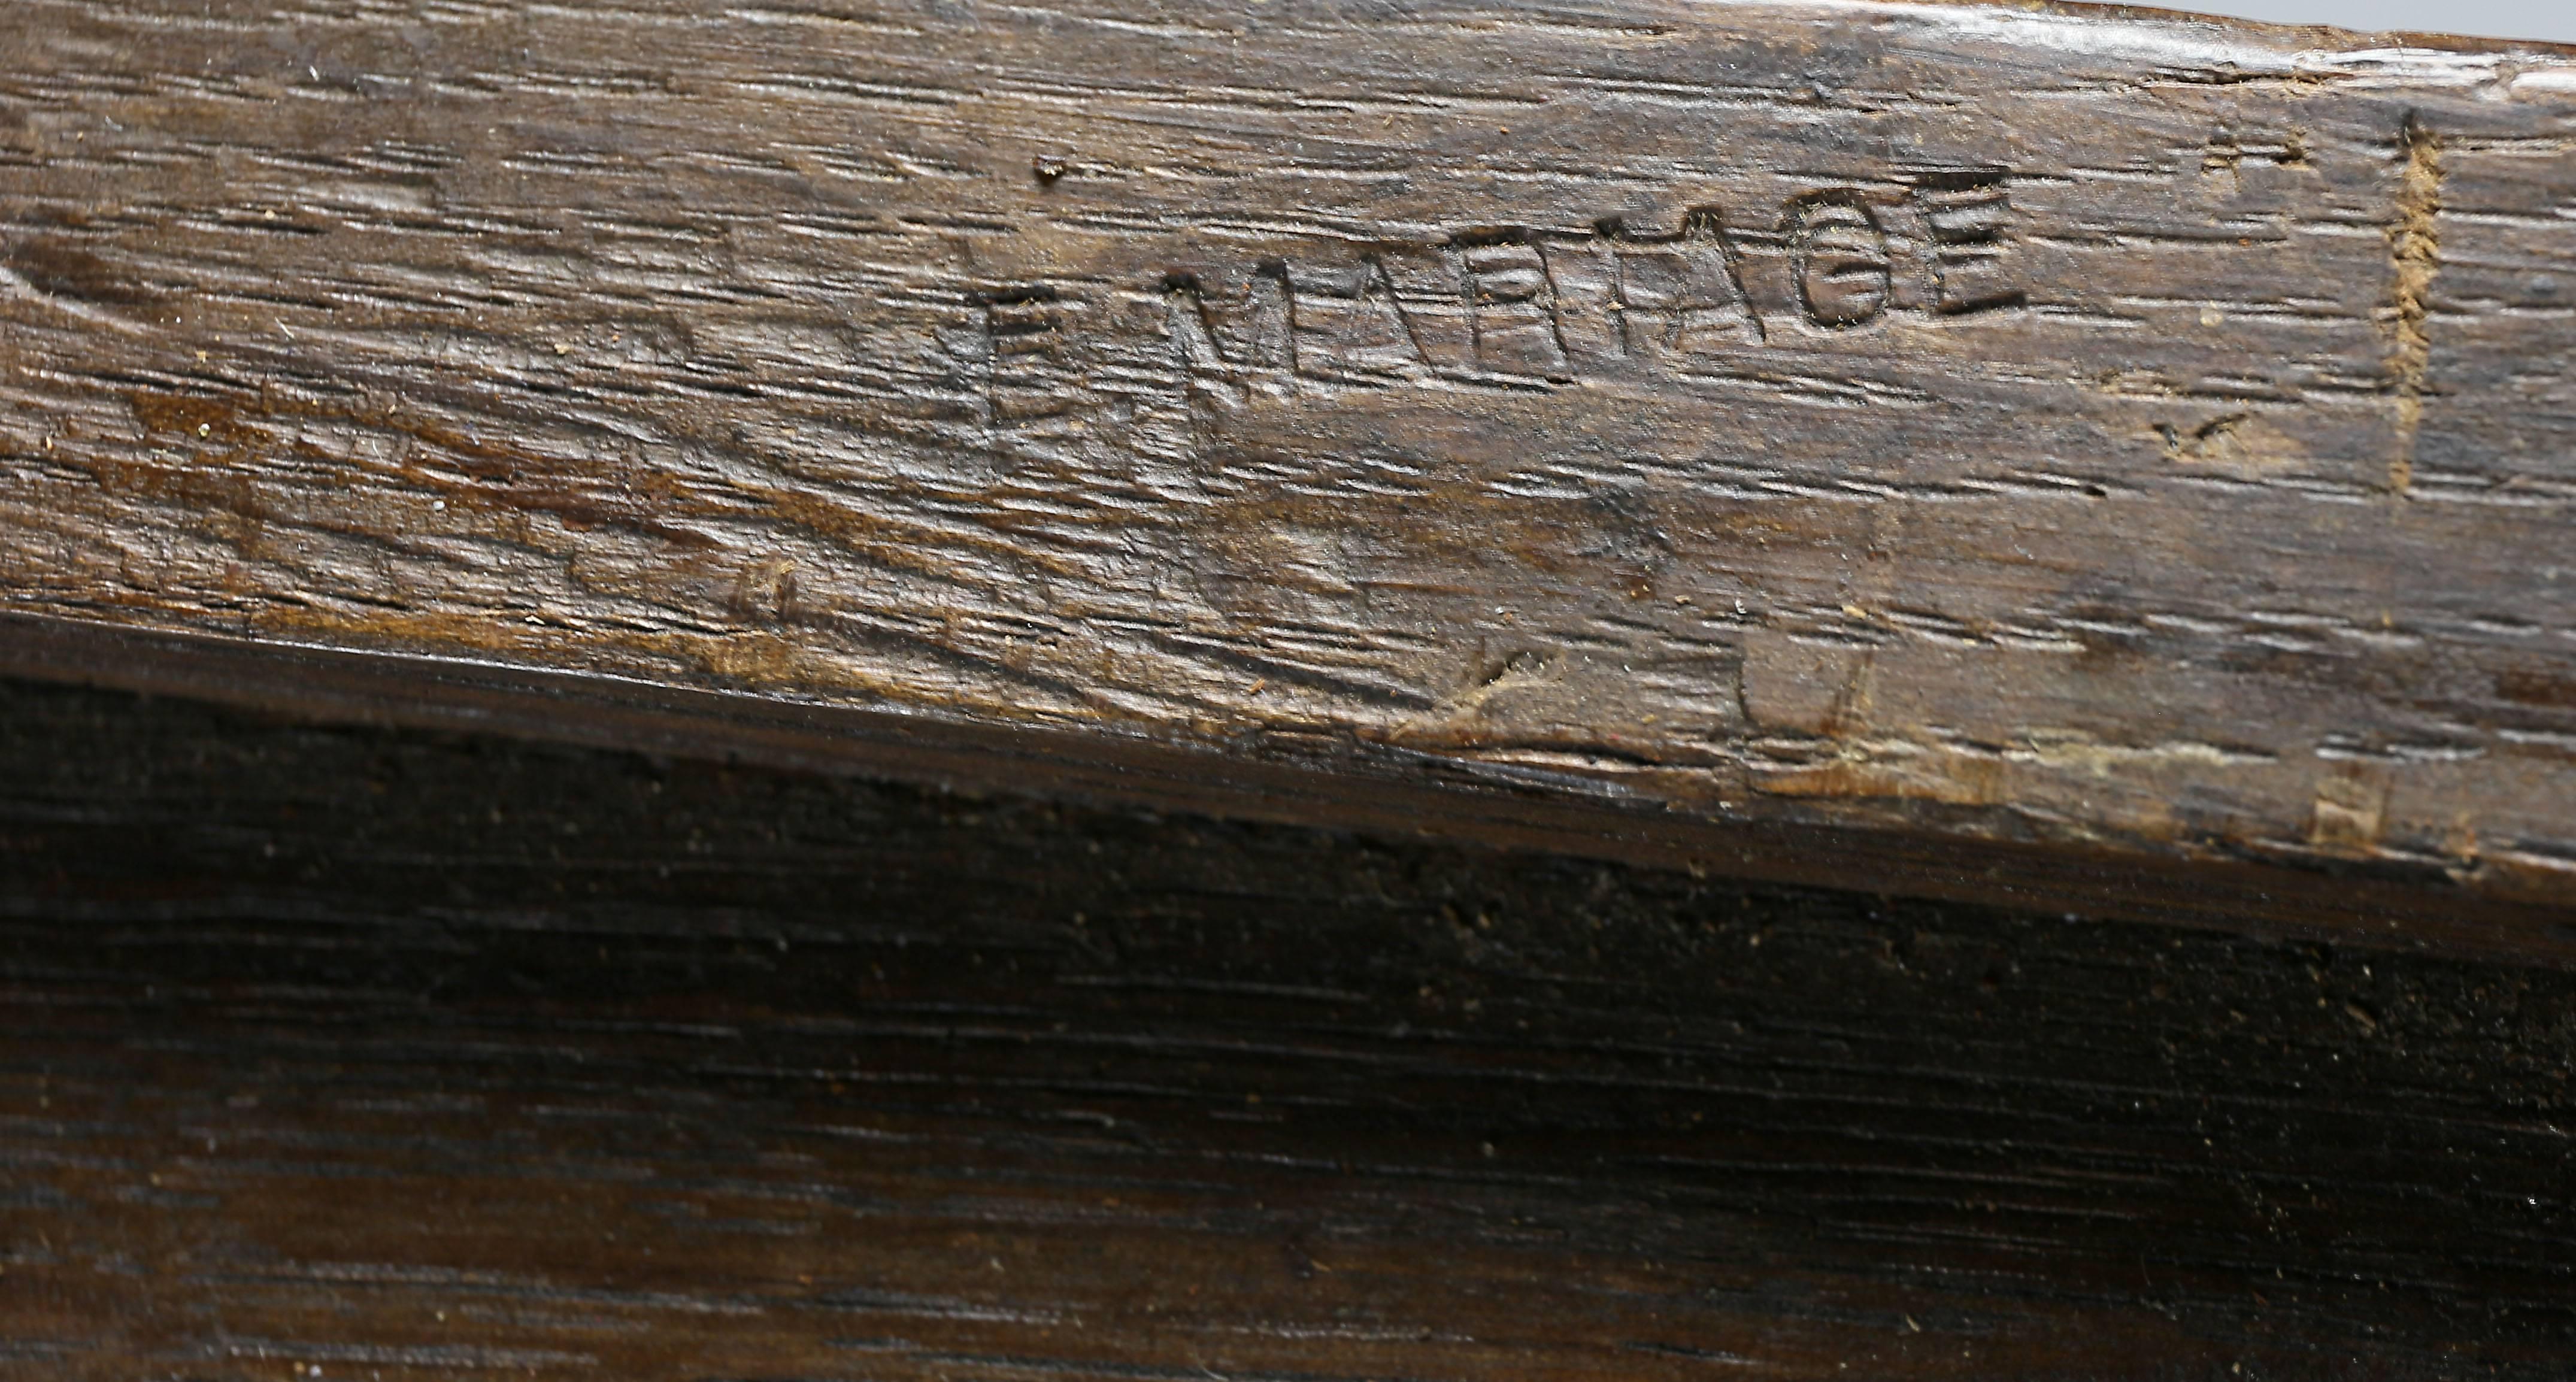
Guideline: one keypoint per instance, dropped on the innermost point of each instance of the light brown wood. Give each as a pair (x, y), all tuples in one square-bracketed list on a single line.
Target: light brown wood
[(2125, 433)]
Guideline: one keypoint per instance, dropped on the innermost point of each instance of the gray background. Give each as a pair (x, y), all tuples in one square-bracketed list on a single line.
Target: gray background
[(2547, 19)]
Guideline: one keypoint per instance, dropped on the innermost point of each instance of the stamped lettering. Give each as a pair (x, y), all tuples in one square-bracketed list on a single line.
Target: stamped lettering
[(1623, 297), (1969, 217), (1345, 323), (1026, 379), (1840, 256), (1550, 306)]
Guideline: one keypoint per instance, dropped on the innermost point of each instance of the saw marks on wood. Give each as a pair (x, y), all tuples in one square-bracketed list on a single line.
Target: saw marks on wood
[(2014, 424)]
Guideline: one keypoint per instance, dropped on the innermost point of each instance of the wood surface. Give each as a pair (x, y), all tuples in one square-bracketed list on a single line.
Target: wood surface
[(2096, 429), (1390, 796), (407, 1057)]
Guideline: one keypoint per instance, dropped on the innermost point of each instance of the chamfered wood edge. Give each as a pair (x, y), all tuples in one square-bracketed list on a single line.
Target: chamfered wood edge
[(2331, 35), (1344, 785)]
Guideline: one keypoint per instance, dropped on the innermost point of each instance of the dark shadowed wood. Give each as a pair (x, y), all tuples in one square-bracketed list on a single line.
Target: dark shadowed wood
[(1388, 794), (453, 1059), (2130, 435)]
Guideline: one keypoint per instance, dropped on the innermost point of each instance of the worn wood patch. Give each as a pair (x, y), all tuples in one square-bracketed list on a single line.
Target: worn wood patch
[(2003, 424), (399, 1057)]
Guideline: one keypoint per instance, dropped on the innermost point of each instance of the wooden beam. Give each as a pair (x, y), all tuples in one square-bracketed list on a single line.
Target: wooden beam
[(1350, 788), (409, 1057), (2010, 428)]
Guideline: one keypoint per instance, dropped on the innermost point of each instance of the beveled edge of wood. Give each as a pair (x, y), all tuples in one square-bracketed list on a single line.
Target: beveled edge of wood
[(1328, 784), (2334, 36)]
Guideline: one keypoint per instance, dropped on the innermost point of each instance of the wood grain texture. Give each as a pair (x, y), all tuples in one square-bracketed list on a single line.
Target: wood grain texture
[(2007, 425), (433, 1058), (1346, 787)]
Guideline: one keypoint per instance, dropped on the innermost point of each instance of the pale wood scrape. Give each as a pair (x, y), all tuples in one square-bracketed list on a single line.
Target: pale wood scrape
[(2092, 429)]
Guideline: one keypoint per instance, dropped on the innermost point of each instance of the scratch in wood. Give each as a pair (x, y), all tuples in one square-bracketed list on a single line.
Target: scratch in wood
[(2415, 253)]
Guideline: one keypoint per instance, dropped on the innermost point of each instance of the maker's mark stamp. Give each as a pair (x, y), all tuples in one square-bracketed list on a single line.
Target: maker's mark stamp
[(1550, 306)]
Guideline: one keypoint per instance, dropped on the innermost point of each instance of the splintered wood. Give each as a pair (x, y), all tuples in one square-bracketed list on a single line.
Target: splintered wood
[(2003, 424)]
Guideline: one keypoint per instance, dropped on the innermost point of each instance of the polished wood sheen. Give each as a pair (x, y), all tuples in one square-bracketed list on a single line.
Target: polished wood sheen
[(2109, 432)]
